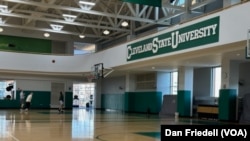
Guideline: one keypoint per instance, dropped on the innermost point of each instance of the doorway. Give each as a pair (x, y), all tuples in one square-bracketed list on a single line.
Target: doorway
[(56, 88), (83, 95)]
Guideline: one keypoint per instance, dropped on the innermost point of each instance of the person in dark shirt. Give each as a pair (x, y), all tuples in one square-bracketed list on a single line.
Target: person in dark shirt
[(61, 102)]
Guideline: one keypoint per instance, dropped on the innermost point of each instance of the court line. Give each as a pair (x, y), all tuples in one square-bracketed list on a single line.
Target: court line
[(16, 139), (100, 136)]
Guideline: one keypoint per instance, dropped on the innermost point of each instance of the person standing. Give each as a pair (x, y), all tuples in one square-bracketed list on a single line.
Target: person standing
[(22, 99), (61, 102), (28, 101)]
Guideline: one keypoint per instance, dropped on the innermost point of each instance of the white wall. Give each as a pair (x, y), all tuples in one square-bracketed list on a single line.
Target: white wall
[(39, 83), (202, 83), (233, 28), (244, 77), (34, 85), (163, 82), (114, 85)]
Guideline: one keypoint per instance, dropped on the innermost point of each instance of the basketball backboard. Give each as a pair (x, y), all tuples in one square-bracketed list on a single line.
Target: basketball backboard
[(97, 70), (248, 45)]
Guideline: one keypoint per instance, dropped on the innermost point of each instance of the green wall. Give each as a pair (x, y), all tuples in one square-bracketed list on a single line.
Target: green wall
[(227, 104), (68, 100), (9, 103), (133, 101), (40, 100), (112, 101), (141, 101), (21, 44), (156, 3), (184, 102)]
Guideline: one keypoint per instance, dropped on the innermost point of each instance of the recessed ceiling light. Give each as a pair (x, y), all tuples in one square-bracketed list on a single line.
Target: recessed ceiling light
[(87, 3), (46, 34), (106, 32), (1, 21), (81, 36), (56, 27), (4, 8), (124, 23), (67, 15), (69, 18)]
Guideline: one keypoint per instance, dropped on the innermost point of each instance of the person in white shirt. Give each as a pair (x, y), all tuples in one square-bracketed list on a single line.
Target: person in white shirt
[(28, 101)]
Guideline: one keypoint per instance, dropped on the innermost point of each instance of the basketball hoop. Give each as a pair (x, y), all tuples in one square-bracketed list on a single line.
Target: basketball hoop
[(90, 77)]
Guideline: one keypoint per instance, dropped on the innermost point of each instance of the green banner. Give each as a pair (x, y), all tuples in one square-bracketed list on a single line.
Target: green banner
[(198, 34), (156, 3)]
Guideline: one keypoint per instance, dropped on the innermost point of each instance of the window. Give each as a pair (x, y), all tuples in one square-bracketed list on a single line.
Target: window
[(182, 2), (174, 82), (83, 48), (216, 81), (83, 94), (146, 81), (7, 88)]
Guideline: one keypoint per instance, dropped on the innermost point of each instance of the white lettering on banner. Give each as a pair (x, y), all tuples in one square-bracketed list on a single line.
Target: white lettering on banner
[(173, 41), (192, 35)]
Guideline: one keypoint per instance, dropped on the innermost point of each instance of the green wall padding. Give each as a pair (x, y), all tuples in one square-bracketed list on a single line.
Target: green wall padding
[(40, 100), (184, 102), (141, 101), (112, 101), (68, 100), (9, 103), (227, 104), (22, 44)]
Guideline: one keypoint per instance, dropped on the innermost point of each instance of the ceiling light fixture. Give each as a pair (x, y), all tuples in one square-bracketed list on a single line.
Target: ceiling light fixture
[(81, 36), (46, 34), (56, 27), (106, 32), (69, 18), (1, 21), (87, 3), (124, 23), (4, 8)]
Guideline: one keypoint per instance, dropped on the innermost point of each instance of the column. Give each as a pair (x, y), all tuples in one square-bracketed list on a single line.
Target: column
[(185, 91), (228, 101)]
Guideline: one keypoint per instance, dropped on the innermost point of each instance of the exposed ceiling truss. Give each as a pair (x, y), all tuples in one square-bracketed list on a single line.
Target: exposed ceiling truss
[(91, 21)]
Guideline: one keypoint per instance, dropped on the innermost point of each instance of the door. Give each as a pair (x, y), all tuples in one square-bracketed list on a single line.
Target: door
[(55, 92), (85, 93)]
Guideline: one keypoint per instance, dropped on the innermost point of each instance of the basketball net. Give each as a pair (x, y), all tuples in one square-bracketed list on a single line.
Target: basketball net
[(90, 78)]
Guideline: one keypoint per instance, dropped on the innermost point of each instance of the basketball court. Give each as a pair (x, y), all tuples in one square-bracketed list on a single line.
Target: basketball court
[(80, 124)]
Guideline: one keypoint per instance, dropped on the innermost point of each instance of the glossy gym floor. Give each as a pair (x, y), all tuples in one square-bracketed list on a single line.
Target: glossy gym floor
[(85, 125)]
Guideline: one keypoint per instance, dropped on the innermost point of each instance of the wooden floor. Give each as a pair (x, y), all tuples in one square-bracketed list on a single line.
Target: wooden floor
[(84, 125)]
